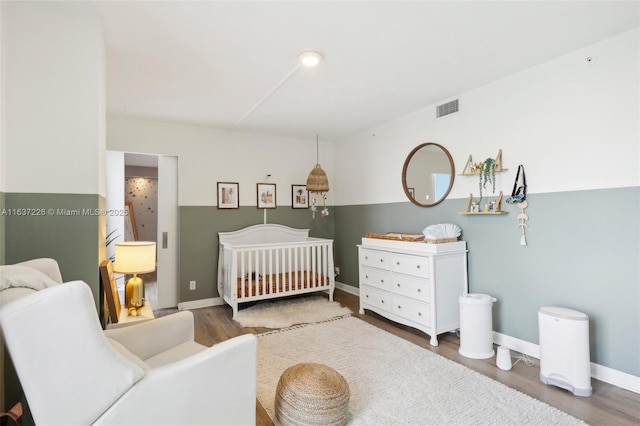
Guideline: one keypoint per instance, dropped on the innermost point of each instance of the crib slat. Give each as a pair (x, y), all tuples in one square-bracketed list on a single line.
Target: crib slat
[(271, 265), (264, 271), (287, 263), (325, 271)]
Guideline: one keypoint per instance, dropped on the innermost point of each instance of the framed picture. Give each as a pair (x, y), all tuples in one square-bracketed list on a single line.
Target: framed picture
[(110, 292), (299, 197), (266, 195), (228, 196)]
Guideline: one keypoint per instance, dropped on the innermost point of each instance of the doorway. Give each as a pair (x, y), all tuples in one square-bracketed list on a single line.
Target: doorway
[(147, 185)]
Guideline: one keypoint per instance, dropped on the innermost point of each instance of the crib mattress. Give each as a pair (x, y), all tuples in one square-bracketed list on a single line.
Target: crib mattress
[(280, 283)]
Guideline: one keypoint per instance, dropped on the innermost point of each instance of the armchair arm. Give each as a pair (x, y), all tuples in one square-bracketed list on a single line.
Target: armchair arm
[(150, 338), (215, 386)]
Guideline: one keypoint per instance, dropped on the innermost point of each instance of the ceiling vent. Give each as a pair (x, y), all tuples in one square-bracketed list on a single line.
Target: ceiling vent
[(448, 108)]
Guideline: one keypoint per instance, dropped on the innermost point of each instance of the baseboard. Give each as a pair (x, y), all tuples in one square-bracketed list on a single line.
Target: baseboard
[(202, 303), (348, 288), (599, 372), (518, 345)]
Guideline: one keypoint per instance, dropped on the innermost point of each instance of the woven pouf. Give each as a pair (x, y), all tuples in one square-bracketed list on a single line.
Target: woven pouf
[(311, 394)]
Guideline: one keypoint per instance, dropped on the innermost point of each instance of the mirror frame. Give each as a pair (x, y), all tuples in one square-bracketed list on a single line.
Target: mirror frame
[(406, 166)]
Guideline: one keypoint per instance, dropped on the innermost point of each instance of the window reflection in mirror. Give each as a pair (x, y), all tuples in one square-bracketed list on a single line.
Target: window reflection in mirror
[(428, 174)]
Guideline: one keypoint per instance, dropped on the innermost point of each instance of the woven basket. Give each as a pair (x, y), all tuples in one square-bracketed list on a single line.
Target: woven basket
[(311, 394), (442, 240)]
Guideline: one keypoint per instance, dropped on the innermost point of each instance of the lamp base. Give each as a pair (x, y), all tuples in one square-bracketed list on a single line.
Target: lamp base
[(134, 295)]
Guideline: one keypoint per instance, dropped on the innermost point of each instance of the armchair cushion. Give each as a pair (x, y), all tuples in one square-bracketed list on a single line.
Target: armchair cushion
[(47, 266), (127, 354), (19, 276), (15, 281)]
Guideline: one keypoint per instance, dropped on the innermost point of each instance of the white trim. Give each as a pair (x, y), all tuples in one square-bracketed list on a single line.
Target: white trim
[(615, 377), (517, 345), (202, 303), (599, 372), (348, 288)]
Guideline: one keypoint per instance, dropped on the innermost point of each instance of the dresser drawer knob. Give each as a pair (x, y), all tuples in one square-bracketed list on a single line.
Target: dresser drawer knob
[(398, 263), (419, 314), (419, 290), (367, 296), (418, 266), (382, 301), (381, 260), (398, 285), (399, 307), (381, 281)]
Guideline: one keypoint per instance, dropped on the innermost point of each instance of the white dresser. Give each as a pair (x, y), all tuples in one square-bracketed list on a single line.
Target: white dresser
[(414, 283)]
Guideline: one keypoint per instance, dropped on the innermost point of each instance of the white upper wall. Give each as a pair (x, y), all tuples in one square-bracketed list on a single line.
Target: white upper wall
[(574, 125), (2, 96), (54, 98), (207, 156)]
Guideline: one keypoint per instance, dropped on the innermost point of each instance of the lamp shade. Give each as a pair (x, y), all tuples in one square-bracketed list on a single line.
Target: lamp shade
[(317, 180), (135, 257)]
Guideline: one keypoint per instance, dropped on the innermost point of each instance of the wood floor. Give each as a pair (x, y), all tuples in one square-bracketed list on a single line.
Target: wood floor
[(609, 405)]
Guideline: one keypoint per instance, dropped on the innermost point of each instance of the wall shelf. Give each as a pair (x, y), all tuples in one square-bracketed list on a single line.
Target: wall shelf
[(499, 207), (470, 170)]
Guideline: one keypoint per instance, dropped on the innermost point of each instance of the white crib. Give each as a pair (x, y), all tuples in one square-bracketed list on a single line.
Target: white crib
[(268, 261)]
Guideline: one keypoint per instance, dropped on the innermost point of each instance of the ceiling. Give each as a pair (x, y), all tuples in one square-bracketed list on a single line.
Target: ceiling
[(225, 63)]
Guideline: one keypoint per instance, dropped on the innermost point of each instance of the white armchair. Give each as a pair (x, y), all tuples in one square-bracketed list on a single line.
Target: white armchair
[(153, 373)]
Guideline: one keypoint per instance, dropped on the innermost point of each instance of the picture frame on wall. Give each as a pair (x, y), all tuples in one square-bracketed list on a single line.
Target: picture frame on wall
[(299, 197), (228, 195), (266, 193)]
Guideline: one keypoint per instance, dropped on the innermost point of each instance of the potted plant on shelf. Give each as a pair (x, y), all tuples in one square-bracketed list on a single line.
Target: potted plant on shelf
[(487, 174)]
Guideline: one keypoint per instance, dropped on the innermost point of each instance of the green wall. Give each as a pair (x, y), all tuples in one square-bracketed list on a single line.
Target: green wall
[(199, 227), (582, 254), (67, 231)]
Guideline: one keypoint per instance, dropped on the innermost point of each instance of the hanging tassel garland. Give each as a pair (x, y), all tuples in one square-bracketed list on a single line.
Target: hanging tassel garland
[(523, 240), (522, 217)]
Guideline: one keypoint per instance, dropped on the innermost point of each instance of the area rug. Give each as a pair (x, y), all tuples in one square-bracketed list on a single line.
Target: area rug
[(395, 382), (289, 312)]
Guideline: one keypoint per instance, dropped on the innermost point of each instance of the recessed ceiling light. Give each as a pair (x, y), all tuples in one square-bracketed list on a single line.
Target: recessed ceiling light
[(310, 58)]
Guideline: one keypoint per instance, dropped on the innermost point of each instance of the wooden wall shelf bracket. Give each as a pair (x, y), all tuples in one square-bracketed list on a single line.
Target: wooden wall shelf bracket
[(469, 169), (499, 207)]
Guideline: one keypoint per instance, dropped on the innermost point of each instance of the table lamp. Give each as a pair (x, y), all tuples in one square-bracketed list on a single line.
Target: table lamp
[(135, 257)]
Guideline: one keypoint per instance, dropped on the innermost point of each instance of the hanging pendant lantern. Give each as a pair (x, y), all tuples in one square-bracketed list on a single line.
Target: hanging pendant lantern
[(317, 180), (318, 183)]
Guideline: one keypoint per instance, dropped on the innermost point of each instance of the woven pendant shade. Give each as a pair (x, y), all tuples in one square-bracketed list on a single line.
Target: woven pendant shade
[(317, 180)]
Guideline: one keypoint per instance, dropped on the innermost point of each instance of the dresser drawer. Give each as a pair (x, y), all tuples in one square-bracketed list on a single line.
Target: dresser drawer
[(375, 259), (376, 278), (411, 265), (377, 298), (412, 310), (415, 288)]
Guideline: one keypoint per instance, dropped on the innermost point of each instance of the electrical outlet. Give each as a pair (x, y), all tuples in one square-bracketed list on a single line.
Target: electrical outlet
[(192, 285), (337, 270)]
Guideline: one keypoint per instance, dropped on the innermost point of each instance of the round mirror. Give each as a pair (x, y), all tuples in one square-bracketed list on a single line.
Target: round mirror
[(428, 174)]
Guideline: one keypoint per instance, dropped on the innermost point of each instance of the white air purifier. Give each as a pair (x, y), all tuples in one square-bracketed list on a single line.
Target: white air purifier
[(564, 349)]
